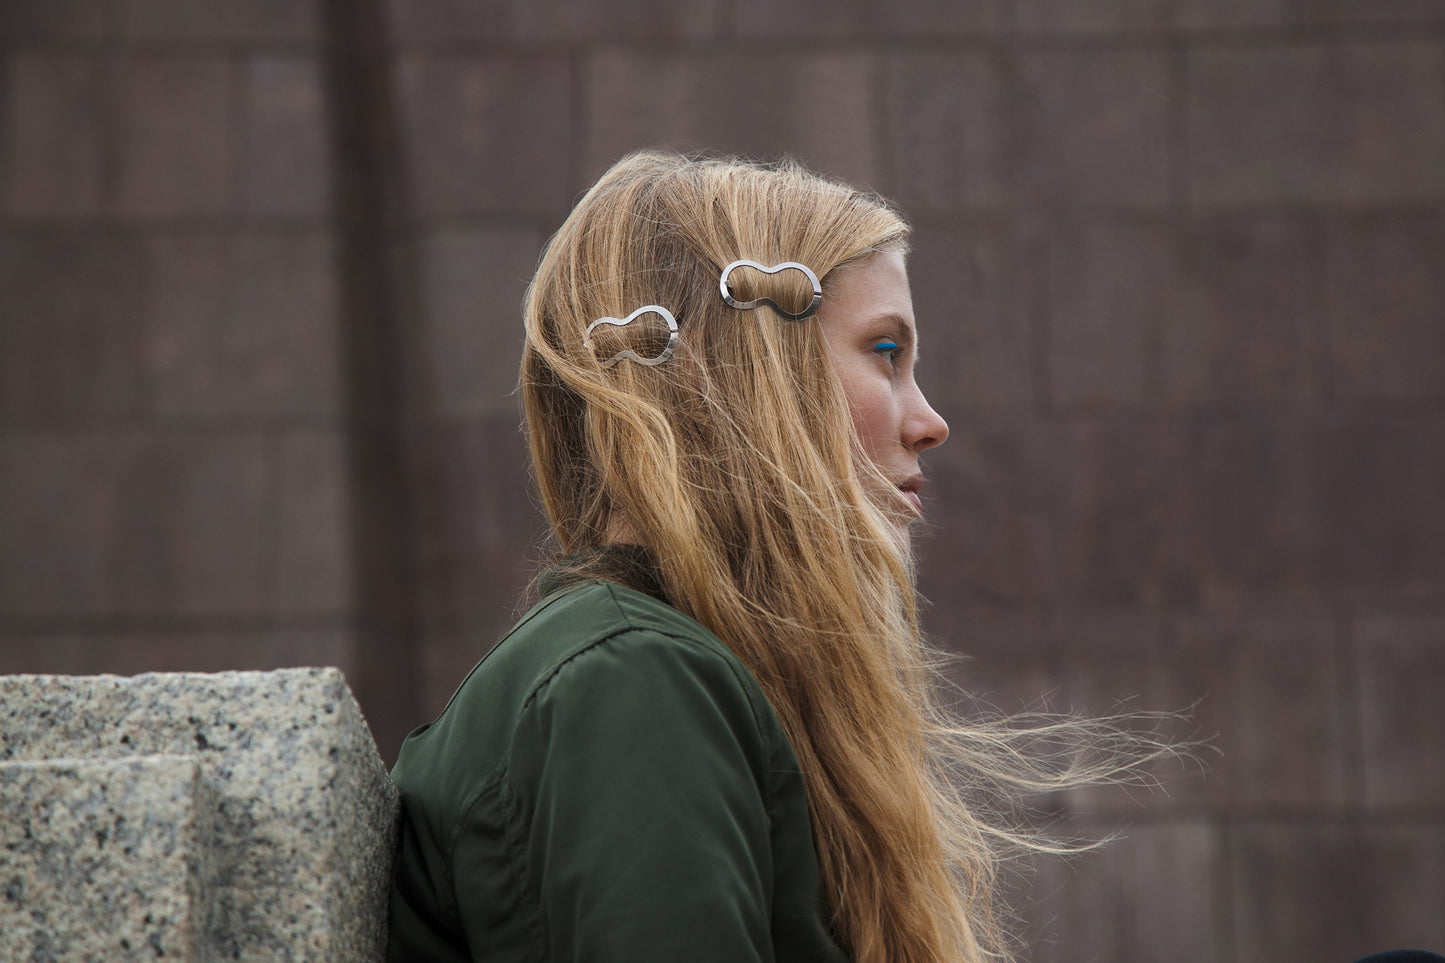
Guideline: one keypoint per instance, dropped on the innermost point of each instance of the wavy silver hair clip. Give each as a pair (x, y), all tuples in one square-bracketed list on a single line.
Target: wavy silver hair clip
[(627, 354), (807, 312)]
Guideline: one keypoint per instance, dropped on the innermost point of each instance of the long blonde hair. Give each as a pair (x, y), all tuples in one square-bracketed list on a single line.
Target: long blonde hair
[(736, 464)]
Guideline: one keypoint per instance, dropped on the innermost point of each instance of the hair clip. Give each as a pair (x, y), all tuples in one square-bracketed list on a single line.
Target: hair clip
[(627, 354), (807, 312)]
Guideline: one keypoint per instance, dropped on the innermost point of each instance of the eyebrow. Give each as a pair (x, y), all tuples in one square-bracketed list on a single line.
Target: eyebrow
[(909, 328)]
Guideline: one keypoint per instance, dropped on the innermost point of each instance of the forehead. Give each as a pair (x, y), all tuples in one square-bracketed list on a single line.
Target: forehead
[(870, 289)]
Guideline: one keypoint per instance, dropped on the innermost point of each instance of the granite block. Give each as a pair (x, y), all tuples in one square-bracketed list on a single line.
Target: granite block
[(50, 135), (1094, 128), (1386, 307), (286, 164), (176, 133), (102, 859), (1323, 124), (460, 120), (244, 324), (971, 300), (472, 287), (297, 848), (817, 107), (945, 132), (71, 330)]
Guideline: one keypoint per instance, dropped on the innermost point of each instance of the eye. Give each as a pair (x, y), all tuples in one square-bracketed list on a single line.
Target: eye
[(888, 349)]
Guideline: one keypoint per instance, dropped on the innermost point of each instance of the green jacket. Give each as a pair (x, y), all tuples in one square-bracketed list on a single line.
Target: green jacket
[(609, 784)]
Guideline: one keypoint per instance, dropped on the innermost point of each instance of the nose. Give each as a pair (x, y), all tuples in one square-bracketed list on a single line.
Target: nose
[(923, 428)]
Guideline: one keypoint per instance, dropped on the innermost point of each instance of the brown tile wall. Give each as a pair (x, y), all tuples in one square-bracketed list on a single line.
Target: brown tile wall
[(1179, 269)]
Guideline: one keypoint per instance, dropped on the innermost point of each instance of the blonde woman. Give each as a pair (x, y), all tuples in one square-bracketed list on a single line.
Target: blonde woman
[(713, 737)]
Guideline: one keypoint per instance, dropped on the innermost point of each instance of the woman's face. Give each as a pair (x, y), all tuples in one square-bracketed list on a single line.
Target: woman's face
[(867, 322)]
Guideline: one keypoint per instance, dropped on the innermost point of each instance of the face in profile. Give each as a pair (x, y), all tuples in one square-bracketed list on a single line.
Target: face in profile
[(868, 325)]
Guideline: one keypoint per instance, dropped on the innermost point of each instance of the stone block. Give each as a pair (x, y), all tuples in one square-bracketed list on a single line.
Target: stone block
[(23, 21), (71, 337), (297, 822), (971, 301), (1346, 123), (945, 131), (102, 858), (1399, 663), (1108, 288), (50, 135), (472, 287), (264, 21), (1094, 128), (1242, 322), (1386, 307), (819, 108), (286, 164), (175, 136), (861, 18), (460, 121), (244, 324), (127, 524)]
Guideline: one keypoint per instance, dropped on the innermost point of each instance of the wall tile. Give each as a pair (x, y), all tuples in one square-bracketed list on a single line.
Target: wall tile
[(1334, 892), (970, 302), (1386, 307), (22, 21), (592, 19), (1401, 661), (244, 325), (860, 18), (1349, 12), (945, 138), (1233, 14), (1150, 895), (461, 120), (168, 525), (1093, 128), (50, 135), (176, 132), (70, 338), (1108, 290), (127, 652), (1351, 123), (286, 163), (472, 287), (815, 107), (425, 21), (229, 20), (1033, 516), (1243, 322), (1102, 16), (313, 566)]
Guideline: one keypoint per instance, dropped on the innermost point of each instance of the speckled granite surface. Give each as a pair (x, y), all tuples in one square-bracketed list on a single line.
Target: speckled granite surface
[(262, 818)]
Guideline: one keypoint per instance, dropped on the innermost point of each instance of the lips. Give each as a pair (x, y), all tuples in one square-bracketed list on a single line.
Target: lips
[(910, 488)]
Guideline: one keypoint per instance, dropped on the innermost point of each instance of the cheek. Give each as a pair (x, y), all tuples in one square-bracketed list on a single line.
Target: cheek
[(874, 421)]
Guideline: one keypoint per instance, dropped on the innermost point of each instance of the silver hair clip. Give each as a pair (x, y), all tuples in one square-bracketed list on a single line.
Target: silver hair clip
[(807, 312), (627, 354)]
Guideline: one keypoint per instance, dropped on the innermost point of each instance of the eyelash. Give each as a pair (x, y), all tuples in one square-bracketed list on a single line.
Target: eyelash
[(888, 349)]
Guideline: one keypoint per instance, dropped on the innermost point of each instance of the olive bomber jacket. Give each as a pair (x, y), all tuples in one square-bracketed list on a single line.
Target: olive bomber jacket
[(609, 784)]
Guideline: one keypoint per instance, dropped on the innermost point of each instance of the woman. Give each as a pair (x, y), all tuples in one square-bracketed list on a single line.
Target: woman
[(713, 738)]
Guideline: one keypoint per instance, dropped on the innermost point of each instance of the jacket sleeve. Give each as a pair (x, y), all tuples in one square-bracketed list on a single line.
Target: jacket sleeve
[(640, 774)]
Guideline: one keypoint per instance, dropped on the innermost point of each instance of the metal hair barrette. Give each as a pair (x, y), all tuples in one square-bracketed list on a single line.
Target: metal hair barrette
[(807, 312), (627, 354)]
